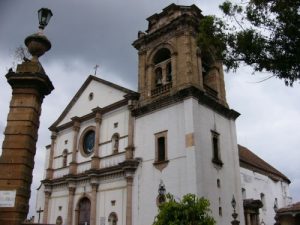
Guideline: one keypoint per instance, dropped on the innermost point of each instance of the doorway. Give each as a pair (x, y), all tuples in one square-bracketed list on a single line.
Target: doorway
[(84, 211)]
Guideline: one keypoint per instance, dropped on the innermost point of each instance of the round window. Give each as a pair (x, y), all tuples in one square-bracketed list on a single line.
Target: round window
[(88, 142)]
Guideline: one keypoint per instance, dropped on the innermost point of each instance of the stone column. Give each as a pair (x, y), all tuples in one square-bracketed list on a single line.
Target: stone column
[(130, 148), (131, 103), (72, 190), (29, 85), (49, 173), (46, 204), (96, 156), (94, 203), (73, 163), (248, 218), (129, 180)]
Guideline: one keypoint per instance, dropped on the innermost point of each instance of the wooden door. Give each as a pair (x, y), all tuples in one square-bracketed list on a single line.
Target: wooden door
[(84, 212)]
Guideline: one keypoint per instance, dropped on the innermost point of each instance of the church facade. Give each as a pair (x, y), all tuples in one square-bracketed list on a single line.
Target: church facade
[(114, 152)]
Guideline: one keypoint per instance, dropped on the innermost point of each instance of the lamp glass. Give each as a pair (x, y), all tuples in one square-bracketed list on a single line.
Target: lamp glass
[(233, 202), (44, 15)]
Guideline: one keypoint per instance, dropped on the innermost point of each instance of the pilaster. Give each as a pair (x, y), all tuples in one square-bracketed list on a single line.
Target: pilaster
[(49, 172), (129, 181), (46, 204), (73, 163), (96, 157), (72, 190), (94, 203)]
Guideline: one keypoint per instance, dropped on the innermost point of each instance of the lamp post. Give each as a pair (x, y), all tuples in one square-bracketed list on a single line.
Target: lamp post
[(30, 85), (234, 214), (161, 198)]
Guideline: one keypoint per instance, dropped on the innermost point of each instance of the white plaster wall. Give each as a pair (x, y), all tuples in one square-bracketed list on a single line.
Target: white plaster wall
[(256, 183), (147, 177), (60, 146), (190, 169), (104, 95), (59, 198), (112, 191), (119, 116), (107, 129), (205, 121)]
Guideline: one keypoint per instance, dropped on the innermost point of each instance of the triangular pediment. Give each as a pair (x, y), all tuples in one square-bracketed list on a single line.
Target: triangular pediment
[(94, 93)]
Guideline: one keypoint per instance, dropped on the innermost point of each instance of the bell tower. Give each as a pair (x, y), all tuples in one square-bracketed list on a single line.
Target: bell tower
[(170, 60)]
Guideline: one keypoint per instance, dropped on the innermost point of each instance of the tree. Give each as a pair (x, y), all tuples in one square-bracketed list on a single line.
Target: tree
[(191, 210), (264, 34)]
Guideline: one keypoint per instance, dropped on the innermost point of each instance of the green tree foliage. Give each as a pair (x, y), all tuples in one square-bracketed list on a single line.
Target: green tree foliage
[(264, 34), (191, 210)]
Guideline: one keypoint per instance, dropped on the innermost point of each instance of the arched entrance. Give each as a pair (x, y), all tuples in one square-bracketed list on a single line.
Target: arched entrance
[(84, 211)]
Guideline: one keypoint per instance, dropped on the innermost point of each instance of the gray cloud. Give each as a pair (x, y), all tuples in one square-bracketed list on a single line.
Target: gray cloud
[(85, 33)]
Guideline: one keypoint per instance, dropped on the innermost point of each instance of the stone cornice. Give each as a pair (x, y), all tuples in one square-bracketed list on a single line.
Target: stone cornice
[(123, 168), (184, 20), (201, 96), (37, 81)]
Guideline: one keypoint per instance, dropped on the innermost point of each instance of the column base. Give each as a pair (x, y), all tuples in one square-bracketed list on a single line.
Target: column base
[(73, 168), (95, 162), (129, 152)]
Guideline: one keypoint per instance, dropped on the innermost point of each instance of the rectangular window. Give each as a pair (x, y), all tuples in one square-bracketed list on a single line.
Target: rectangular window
[(216, 159), (161, 149)]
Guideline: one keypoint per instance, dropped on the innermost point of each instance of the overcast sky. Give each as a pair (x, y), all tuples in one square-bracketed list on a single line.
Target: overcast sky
[(90, 32)]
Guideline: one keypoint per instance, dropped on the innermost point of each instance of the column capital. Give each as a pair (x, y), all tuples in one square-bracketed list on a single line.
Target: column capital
[(53, 135), (30, 80), (76, 123), (98, 119), (72, 190), (95, 186), (48, 189)]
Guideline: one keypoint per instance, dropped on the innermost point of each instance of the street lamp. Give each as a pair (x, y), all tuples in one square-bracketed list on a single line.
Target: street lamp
[(161, 198), (38, 43), (234, 214), (161, 189), (233, 202), (44, 17), (275, 207)]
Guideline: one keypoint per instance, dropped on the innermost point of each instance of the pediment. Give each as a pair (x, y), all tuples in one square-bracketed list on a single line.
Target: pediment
[(94, 93)]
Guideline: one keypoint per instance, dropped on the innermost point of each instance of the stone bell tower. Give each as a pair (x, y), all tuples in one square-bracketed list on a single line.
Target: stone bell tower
[(30, 85), (169, 59)]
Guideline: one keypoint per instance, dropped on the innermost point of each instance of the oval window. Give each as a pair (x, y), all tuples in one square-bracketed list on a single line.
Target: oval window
[(88, 142)]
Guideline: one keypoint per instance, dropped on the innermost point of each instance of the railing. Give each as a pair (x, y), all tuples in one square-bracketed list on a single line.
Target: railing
[(161, 89), (112, 160), (57, 173)]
